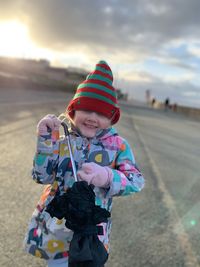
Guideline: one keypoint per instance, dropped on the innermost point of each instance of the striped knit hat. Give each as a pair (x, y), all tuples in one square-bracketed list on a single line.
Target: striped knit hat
[(97, 94)]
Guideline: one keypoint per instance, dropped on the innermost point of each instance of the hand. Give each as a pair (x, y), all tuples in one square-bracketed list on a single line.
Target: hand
[(49, 121), (95, 174)]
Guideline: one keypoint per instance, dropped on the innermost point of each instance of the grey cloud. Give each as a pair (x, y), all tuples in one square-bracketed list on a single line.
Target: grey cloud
[(108, 24), (183, 59), (129, 30)]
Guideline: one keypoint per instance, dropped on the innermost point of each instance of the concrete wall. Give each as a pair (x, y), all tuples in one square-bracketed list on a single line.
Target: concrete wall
[(188, 111), (192, 112)]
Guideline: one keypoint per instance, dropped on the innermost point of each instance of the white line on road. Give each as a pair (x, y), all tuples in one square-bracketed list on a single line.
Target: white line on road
[(175, 221)]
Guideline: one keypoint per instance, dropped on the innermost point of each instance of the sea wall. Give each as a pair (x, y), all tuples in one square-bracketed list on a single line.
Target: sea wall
[(188, 111)]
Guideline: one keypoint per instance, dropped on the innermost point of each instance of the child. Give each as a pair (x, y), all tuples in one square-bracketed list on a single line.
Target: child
[(103, 158)]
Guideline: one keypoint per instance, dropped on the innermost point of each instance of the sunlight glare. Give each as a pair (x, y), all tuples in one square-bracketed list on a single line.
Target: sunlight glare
[(16, 42), (14, 39)]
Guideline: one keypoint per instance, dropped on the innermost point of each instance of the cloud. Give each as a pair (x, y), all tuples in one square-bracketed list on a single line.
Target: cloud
[(160, 40), (139, 25)]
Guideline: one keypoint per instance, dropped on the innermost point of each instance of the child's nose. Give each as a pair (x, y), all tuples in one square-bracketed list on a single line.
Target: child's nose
[(93, 115)]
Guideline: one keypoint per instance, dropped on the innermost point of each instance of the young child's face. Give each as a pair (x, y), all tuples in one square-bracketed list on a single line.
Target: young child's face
[(89, 122)]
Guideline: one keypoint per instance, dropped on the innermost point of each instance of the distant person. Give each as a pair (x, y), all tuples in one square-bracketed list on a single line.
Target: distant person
[(153, 101), (167, 104), (103, 158)]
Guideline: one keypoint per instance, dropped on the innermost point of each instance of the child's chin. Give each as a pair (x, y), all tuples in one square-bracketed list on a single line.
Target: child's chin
[(89, 134)]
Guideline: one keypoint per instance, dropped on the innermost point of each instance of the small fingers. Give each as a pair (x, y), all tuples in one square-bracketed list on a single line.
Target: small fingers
[(51, 121), (85, 176), (88, 167)]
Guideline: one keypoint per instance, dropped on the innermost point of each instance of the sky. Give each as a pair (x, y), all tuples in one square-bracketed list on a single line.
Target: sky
[(149, 44)]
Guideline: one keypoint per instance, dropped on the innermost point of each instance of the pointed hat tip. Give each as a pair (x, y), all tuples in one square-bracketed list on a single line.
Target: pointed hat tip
[(102, 62)]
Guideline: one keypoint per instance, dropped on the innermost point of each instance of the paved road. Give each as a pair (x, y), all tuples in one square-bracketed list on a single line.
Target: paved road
[(158, 227)]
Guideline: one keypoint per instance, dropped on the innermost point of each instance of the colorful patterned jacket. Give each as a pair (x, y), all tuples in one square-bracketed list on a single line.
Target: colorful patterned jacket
[(48, 237)]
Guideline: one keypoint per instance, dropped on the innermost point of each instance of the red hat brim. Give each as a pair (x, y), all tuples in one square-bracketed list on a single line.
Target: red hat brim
[(95, 105)]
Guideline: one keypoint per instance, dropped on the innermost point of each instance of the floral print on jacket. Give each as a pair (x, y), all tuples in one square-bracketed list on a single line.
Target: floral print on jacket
[(48, 237)]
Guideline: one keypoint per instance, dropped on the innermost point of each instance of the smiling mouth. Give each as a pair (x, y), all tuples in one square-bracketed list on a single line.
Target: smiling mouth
[(90, 126)]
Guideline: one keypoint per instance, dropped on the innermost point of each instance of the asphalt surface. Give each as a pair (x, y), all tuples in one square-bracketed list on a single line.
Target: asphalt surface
[(157, 227)]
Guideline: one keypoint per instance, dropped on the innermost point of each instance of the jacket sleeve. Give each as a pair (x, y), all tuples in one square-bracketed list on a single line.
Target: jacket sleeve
[(127, 178), (46, 159)]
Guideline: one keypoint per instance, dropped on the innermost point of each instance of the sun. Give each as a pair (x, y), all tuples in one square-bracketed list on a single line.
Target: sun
[(16, 42)]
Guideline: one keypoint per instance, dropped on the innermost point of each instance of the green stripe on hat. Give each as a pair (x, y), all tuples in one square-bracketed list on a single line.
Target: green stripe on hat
[(99, 77), (97, 86), (104, 70), (96, 96)]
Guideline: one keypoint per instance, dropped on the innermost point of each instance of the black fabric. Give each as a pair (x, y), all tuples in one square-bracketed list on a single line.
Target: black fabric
[(87, 251), (78, 207)]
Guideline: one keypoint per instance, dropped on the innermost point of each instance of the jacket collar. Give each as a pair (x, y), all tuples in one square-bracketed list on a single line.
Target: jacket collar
[(101, 134)]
